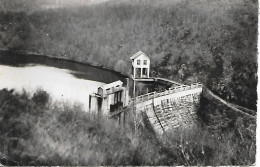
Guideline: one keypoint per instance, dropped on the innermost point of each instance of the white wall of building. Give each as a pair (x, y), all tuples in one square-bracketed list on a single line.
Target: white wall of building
[(135, 64)]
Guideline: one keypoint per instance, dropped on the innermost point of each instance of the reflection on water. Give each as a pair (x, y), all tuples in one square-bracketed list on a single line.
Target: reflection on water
[(59, 83), (83, 71), (74, 84)]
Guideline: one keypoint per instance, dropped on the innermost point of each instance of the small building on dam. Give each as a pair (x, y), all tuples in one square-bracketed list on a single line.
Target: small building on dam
[(140, 65), (174, 107), (109, 98)]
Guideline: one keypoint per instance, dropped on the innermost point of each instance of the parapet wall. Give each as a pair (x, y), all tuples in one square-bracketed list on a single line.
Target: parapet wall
[(173, 108)]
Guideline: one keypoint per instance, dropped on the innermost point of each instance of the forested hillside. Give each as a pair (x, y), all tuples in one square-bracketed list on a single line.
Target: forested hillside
[(34, 130), (216, 40)]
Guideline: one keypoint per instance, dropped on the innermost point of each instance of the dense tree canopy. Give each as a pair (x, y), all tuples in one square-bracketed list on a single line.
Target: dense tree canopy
[(216, 40)]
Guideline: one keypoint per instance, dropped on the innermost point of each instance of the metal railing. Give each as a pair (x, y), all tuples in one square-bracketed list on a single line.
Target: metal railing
[(176, 89)]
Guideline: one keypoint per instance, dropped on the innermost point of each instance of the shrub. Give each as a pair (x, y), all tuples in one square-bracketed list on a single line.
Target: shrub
[(63, 134), (41, 97)]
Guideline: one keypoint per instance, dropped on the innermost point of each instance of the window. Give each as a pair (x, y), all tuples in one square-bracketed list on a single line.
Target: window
[(144, 72), (145, 62), (138, 62)]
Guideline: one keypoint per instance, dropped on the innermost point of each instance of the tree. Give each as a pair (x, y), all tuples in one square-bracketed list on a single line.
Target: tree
[(120, 65)]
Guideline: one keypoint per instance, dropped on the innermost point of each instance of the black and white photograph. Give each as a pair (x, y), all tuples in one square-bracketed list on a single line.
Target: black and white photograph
[(128, 82)]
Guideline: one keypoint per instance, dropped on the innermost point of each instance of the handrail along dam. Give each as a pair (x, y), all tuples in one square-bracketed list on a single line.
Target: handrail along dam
[(171, 108), (175, 106)]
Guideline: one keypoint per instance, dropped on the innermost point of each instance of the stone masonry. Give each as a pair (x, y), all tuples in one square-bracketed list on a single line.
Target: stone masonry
[(172, 108)]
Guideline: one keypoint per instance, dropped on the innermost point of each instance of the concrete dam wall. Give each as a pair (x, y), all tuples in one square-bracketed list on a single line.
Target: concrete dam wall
[(172, 108)]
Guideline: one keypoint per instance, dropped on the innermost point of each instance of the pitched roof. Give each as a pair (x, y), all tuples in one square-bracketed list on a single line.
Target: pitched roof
[(138, 54)]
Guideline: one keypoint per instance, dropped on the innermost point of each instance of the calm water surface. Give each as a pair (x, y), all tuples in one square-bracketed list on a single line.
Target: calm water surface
[(63, 80)]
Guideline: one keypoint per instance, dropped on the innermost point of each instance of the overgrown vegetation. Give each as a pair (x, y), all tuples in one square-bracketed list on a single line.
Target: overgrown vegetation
[(216, 40), (55, 134)]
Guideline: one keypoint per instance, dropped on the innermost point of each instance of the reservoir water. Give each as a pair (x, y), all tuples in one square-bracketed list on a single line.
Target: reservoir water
[(65, 81)]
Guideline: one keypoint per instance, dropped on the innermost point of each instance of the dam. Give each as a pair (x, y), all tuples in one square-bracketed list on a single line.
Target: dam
[(174, 107), (104, 91)]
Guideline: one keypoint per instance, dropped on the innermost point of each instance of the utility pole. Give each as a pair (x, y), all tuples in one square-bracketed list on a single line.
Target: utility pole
[(134, 111)]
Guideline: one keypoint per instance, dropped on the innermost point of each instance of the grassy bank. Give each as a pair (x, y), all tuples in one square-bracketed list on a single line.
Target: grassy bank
[(209, 37), (36, 131)]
